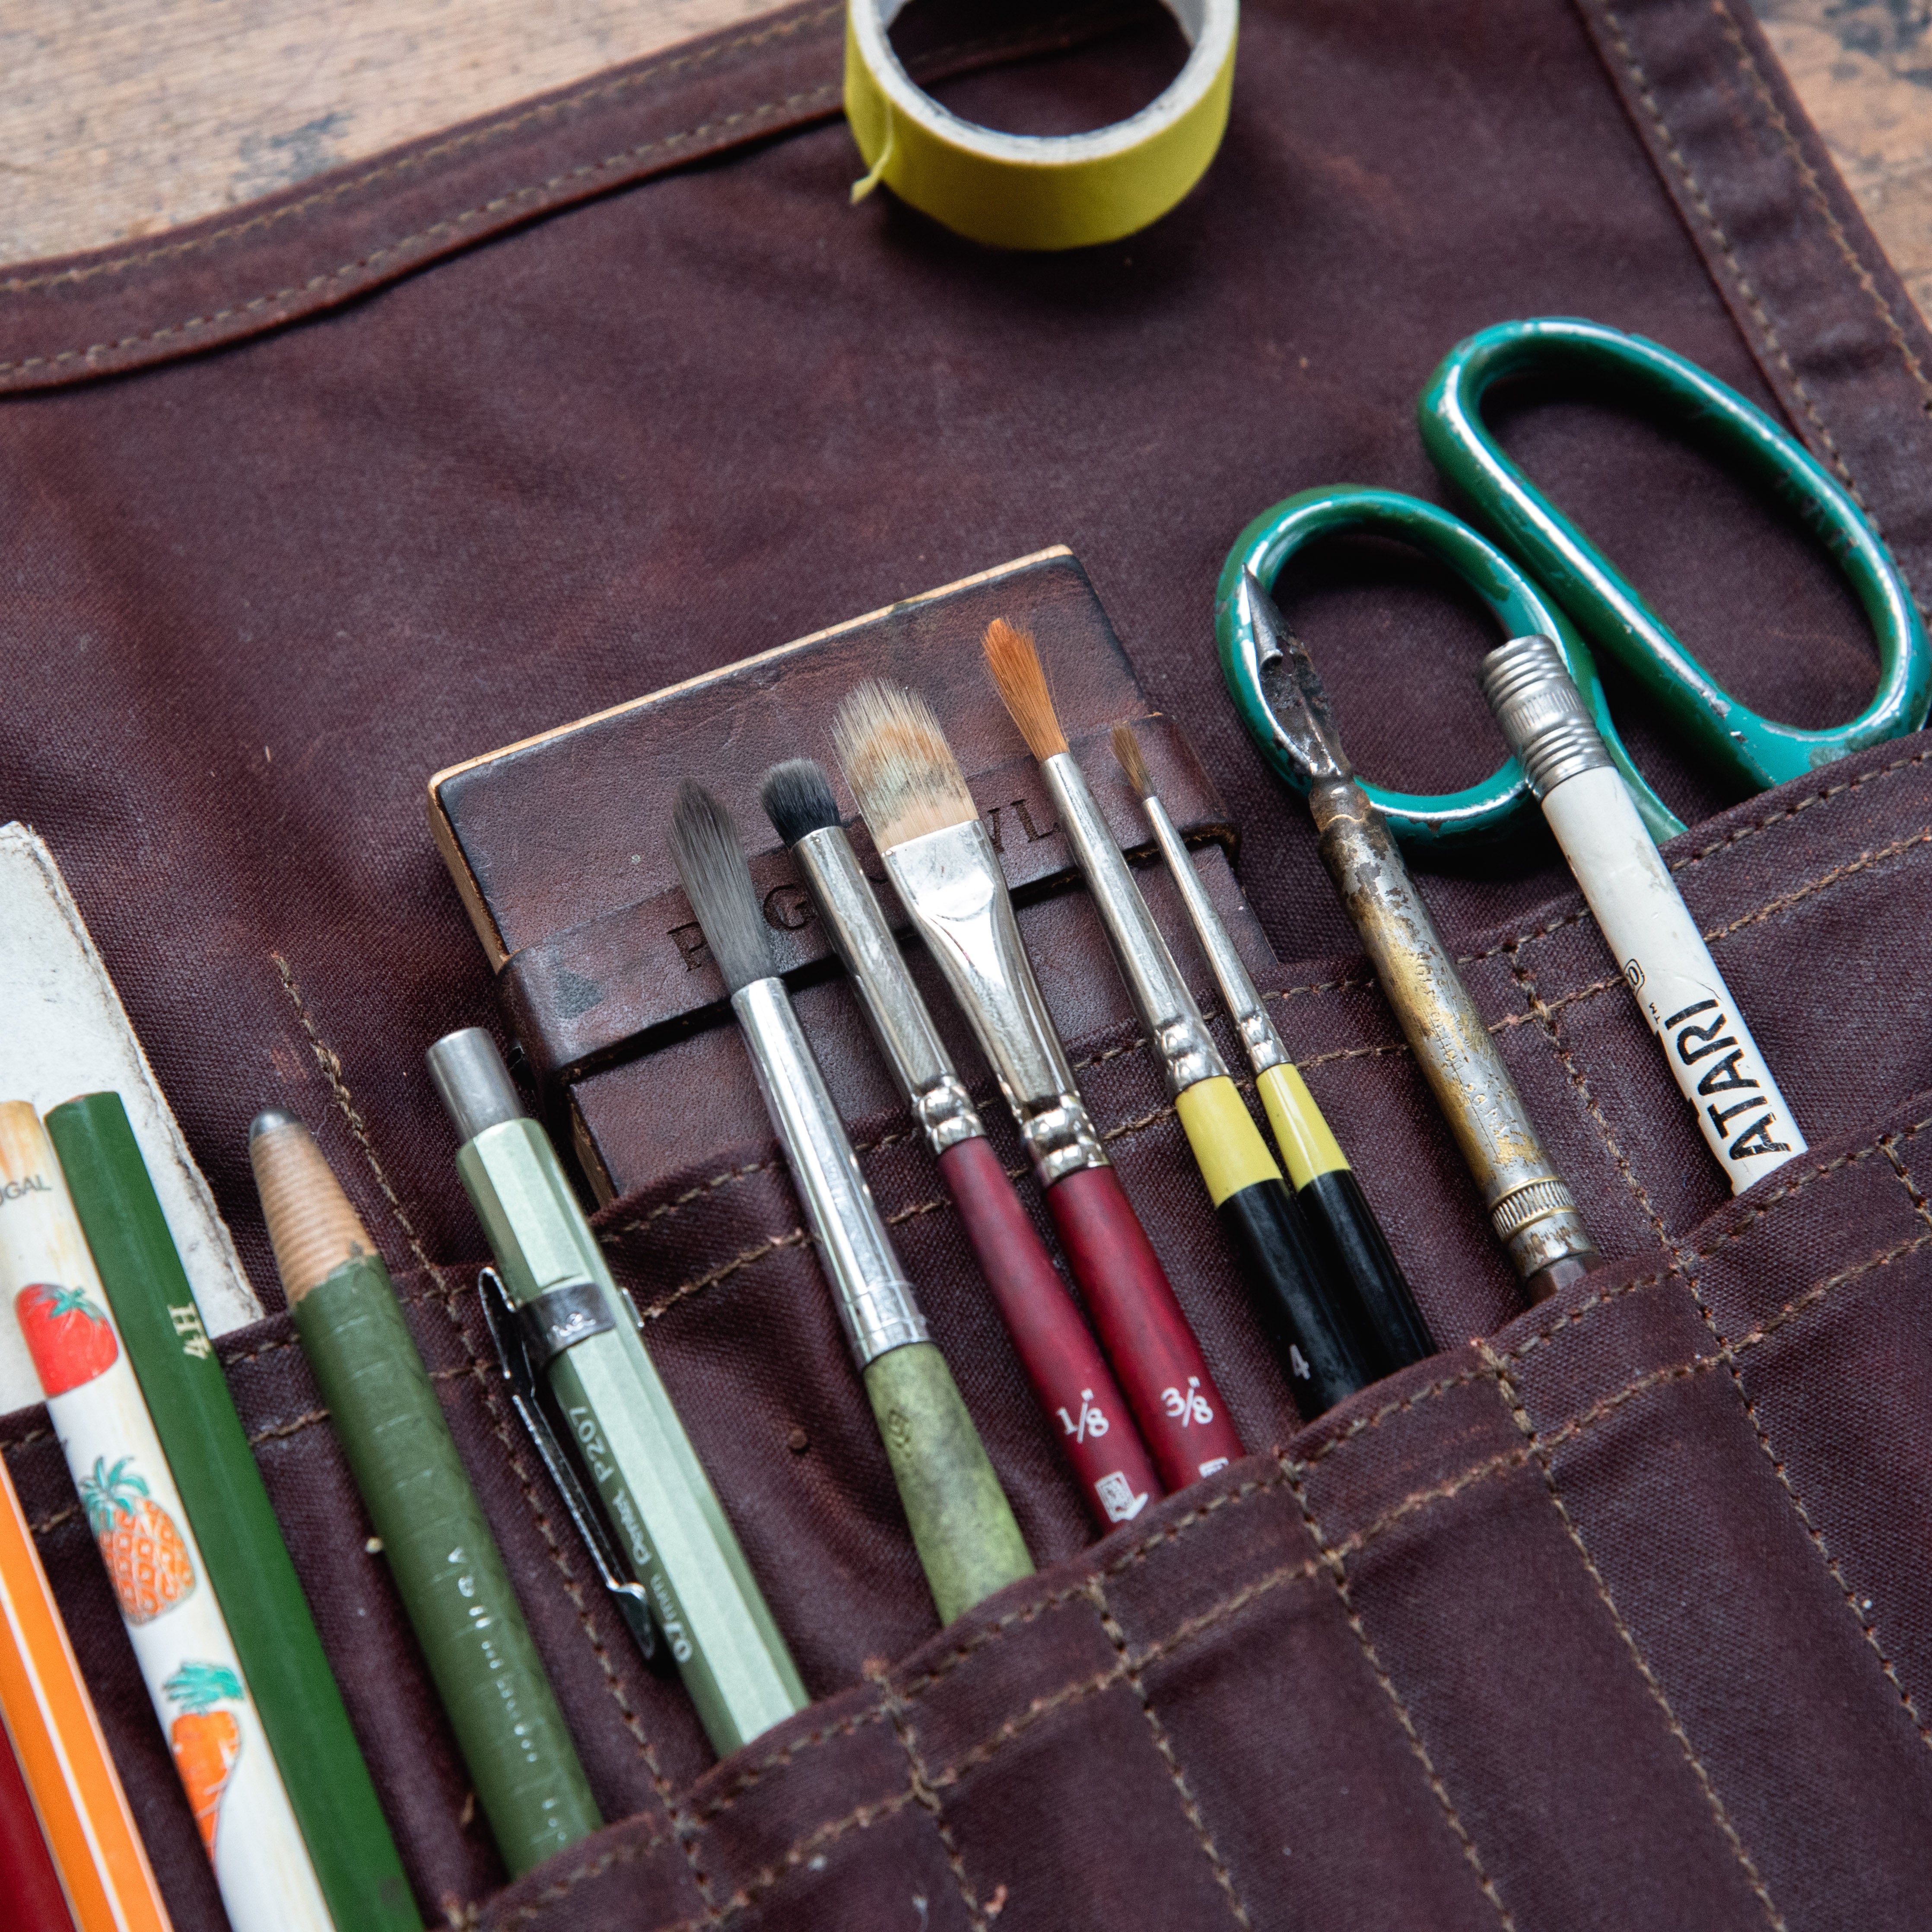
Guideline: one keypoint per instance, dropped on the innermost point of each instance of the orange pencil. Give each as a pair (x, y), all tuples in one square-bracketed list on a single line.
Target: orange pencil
[(110, 1885)]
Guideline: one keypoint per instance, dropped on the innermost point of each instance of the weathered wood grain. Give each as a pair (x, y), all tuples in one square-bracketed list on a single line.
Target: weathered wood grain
[(121, 118), (1863, 69)]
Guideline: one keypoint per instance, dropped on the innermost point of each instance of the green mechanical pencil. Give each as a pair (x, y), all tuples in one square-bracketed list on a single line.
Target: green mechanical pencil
[(669, 1526)]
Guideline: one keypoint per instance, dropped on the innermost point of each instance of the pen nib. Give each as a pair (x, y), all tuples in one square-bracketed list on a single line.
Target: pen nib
[(1292, 688)]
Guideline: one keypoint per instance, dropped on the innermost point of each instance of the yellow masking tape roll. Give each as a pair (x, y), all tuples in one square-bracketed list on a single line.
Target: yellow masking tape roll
[(1228, 1146), (1306, 1143), (1038, 190)]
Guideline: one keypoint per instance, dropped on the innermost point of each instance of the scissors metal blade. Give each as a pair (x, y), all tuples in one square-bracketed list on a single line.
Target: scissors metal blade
[(1290, 687), (506, 1331)]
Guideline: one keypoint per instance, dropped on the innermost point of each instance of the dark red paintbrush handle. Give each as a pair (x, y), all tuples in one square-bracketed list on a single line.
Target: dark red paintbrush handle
[(1084, 1405), (1147, 1338)]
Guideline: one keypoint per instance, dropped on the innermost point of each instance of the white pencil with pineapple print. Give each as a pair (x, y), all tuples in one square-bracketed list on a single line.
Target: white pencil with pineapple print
[(180, 1639)]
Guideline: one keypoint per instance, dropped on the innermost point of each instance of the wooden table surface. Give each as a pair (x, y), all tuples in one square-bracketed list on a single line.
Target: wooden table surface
[(122, 117)]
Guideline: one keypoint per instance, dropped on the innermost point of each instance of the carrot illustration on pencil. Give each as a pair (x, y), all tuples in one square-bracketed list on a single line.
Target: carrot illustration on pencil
[(206, 1742)]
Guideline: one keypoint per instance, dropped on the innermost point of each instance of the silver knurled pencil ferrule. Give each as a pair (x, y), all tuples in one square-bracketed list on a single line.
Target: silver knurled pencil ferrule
[(1717, 1066), (875, 1300), (1542, 712), (1160, 995), (899, 1020), (950, 884), (1245, 1006)]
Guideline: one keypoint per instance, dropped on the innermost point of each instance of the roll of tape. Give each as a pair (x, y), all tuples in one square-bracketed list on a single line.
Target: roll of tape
[(1038, 190)]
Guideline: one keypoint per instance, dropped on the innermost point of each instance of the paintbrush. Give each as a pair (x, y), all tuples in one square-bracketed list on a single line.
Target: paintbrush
[(1530, 1209), (1069, 1375), (1316, 1342), (1355, 1254), (962, 1526), (943, 866)]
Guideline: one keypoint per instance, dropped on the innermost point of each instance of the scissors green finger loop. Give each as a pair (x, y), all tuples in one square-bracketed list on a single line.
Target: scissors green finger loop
[(1755, 750), (1518, 605), (1547, 574)]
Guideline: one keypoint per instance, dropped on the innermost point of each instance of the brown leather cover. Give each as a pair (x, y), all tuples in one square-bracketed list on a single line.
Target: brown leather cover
[(1620, 1616)]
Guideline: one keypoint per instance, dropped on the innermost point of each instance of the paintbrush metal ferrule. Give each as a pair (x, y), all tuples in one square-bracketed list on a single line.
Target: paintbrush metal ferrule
[(1246, 1008), (876, 1302), (1160, 996), (950, 884), (900, 1022)]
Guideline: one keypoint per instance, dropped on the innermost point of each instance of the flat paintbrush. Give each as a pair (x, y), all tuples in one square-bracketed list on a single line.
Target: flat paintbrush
[(947, 875), (1354, 1252), (1070, 1378), (962, 1526), (1316, 1341)]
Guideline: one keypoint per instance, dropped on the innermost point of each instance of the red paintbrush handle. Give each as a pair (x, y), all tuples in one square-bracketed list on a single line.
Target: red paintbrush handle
[(1147, 1338), (1069, 1375)]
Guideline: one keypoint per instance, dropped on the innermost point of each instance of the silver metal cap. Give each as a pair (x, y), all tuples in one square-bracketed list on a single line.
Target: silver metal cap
[(1542, 712), (474, 1084)]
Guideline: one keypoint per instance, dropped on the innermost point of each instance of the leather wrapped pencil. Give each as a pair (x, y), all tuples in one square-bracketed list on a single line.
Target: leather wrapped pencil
[(435, 1537)]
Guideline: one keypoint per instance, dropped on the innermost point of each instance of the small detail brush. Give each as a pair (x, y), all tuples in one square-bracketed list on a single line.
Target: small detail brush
[(947, 875), (1354, 1251), (962, 1526), (1071, 1380), (1316, 1342), (1530, 1209)]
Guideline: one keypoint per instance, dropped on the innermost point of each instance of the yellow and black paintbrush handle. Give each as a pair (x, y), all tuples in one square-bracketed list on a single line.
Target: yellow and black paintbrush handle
[(1353, 1247), (1315, 1338)]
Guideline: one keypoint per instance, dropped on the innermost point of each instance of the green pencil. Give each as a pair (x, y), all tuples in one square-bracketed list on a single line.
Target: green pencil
[(446, 1565), (248, 1563)]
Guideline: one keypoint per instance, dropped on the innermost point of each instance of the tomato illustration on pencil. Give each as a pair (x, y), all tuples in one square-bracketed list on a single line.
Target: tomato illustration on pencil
[(147, 1561), (70, 1340), (206, 1742)]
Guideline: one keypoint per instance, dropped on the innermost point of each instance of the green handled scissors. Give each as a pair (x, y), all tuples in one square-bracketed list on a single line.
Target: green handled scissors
[(1549, 578)]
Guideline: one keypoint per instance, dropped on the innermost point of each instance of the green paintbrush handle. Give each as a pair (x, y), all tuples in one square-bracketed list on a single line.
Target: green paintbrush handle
[(247, 1563), (962, 1526), (446, 1565)]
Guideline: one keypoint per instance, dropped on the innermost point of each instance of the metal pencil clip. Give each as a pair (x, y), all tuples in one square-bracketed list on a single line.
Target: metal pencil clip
[(506, 1331)]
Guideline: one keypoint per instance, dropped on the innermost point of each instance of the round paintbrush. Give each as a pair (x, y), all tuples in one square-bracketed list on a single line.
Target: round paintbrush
[(1356, 1257), (1070, 1378), (962, 1526), (1320, 1350)]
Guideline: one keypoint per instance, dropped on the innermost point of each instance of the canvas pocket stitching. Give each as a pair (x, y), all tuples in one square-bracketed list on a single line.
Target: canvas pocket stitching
[(1512, 1402), (1334, 1563), (447, 224), (1190, 1808), (920, 1789)]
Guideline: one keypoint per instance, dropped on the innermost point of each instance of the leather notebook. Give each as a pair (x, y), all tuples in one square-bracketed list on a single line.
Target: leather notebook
[(559, 847)]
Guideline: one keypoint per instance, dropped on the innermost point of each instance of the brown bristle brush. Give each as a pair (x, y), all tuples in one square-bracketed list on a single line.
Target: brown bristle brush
[(1320, 1342)]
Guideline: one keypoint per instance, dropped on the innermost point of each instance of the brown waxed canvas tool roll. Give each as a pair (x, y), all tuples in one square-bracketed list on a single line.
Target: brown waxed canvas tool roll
[(1616, 1616)]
